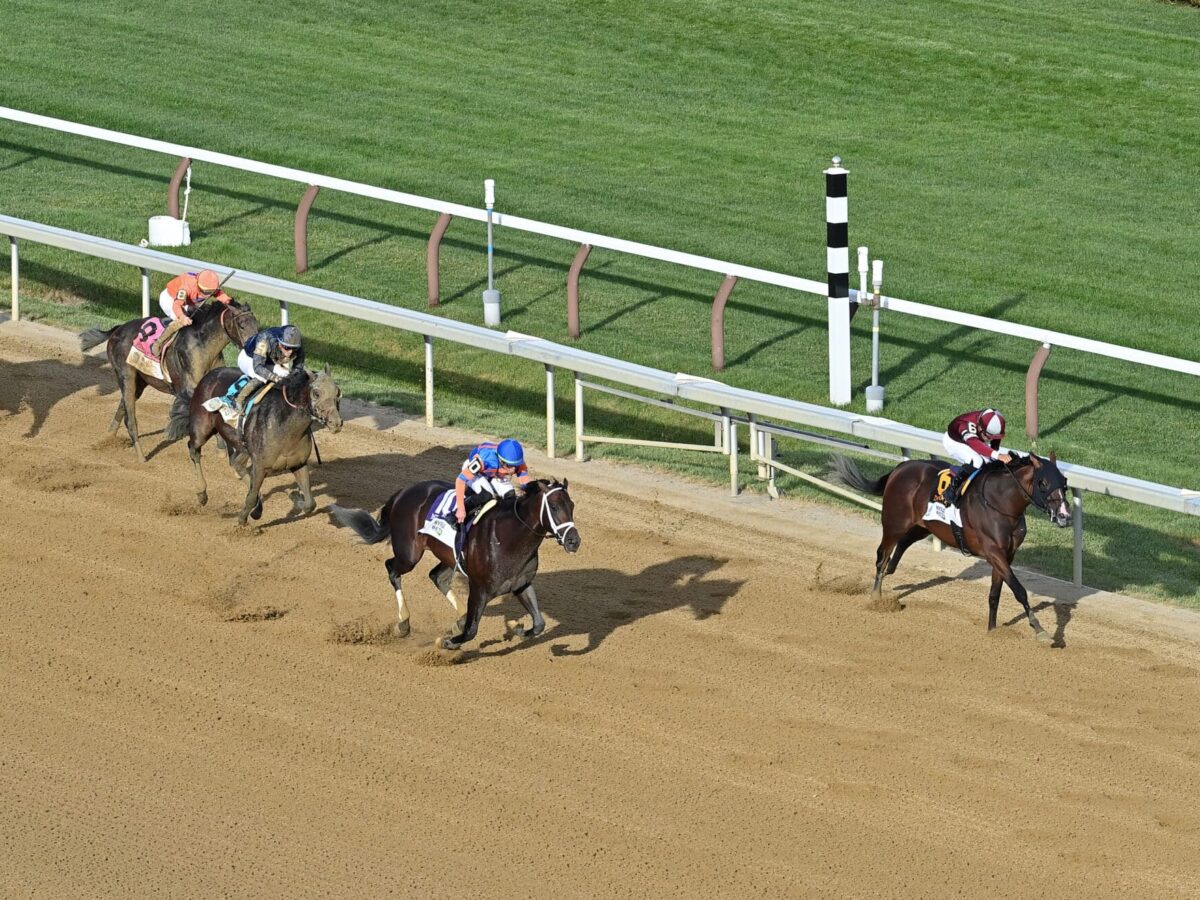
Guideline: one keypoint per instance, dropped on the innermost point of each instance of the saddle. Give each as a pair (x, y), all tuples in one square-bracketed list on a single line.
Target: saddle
[(225, 405), (944, 509), (945, 476)]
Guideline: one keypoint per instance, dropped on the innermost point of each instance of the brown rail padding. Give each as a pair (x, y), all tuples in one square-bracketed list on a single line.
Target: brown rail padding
[(301, 228), (432, 255), (173, 187), (1031, 391), (573, 289), (718, 322)]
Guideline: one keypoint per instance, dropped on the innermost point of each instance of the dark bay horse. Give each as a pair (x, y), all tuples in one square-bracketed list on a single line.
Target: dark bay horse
[(993, 515), (276, 436), (501, 551), (193, 352)]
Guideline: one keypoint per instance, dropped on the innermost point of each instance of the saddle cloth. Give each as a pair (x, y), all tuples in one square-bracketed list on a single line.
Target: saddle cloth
[(942, 508), (438, 524), (141, 357)]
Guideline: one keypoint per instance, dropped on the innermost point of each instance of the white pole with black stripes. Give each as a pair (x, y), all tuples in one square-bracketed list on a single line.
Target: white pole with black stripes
[(838, 266)]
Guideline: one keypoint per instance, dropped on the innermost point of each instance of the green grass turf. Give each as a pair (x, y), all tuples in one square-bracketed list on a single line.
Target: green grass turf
[(1033, 161)]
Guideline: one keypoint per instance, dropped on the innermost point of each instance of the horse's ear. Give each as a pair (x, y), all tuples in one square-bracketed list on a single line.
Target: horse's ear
[(1035, 461), (564, 484), (328, 369), (1054, 457)]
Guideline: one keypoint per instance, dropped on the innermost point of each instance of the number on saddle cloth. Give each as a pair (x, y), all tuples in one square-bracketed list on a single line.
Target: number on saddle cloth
[(147, 334)]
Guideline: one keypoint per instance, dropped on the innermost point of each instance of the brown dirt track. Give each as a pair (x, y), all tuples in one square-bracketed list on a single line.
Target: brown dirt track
[(712, 710)]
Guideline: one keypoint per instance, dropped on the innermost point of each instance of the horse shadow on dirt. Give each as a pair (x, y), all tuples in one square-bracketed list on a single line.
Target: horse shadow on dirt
[(38, 385), (593, 603)]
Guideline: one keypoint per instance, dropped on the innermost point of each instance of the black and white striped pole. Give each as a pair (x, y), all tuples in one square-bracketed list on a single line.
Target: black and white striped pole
[(838, 266), (491, 297)]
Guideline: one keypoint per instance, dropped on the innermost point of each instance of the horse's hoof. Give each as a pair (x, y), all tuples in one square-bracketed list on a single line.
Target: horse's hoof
[(256, 513), (202, 498), (447, 643), (1043, 636), (402, 629)]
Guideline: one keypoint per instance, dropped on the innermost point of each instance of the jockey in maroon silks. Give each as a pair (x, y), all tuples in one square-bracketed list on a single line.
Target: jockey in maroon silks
[(973, 439)]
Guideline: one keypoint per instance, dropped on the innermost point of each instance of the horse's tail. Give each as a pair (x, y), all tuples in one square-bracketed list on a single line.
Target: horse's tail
[(93, 337), (370, 529), (181, 416), (847, 472)]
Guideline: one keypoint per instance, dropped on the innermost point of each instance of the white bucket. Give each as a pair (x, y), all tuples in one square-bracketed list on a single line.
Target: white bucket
[(167, 231), (491, 308)]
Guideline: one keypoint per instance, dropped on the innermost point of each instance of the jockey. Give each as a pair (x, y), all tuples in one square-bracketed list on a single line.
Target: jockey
[(269, 356), (487, 470), (180, 298), (974, 439)]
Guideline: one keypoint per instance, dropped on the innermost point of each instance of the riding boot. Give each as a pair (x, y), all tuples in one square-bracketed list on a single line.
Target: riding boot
[(958, 476), (243, 396), (157, 347)]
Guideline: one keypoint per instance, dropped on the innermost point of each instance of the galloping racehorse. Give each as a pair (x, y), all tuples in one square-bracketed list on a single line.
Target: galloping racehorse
[(186, 360), (500, 552), (993, 515), (276, 436)]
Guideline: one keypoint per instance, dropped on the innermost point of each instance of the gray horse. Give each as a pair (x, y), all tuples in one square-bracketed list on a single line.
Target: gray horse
[(186, 360), (275, 438)]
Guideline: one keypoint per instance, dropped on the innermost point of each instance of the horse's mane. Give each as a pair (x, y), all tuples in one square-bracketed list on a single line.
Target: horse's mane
[(297, 378)]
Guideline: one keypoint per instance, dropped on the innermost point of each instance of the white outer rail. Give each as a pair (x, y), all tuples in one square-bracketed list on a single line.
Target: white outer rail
[(691, 260), (679, 386)]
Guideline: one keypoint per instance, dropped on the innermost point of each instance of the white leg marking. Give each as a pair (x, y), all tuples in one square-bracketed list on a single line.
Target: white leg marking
[(453, 600), (403, 610)]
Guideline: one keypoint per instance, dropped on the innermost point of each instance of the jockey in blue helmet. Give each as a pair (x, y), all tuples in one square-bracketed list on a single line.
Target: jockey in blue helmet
[(487, 470)]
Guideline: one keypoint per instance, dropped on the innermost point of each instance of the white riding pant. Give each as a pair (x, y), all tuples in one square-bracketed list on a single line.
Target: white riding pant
[(963, 453), (167, 303), (497, 487), (246, 364)]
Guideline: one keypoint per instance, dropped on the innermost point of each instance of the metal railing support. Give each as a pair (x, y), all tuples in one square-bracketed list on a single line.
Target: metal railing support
[(300, 229), (578, 418), (145, 293), (1077, 524), (550, 423), (433, 258), (14, 258), (429, 381)]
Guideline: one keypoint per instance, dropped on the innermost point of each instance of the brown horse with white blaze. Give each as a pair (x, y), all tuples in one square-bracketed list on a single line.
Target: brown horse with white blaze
[(992, 511)]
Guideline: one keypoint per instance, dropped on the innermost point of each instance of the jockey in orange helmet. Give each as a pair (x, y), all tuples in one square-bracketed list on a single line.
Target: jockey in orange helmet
[(180, 298)]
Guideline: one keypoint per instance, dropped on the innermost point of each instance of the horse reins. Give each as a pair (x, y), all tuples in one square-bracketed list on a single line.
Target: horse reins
[(1028, 496), (312, 412), (558, 529)]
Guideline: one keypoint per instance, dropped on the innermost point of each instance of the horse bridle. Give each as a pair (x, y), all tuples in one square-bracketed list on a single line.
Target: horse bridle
[(1044, 507), (312, 407), (237, 313), (558, 529)]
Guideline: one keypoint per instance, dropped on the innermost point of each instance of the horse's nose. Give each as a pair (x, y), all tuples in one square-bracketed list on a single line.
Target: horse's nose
[(572, 541)]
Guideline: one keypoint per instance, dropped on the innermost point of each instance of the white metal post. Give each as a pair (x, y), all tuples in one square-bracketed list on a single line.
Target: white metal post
[(491, 297), (875, 391), (1077, 522), (838, 268), (283, 312), (145, 293), (732, 449), (550, 429), (16, 272), (578, 418), (429, 380)]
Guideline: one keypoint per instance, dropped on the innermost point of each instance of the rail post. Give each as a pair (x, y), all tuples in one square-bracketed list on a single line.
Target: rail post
[(173, 187), (1077, 524), (550, 423), (145, 293), (14, 258), (429, 380), (578, 418)]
